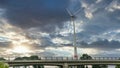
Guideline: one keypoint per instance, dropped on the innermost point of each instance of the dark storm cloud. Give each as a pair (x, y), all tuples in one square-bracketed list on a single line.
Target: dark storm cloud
[(101, 44), (113, 16), (42, 42), (46, 42), (45, 14), (102, 21), (5, 44)]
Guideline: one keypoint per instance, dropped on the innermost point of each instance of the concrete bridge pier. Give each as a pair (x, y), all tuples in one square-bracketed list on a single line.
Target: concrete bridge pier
[(86, 66), (16, 66), (70, 66), (13, 66), (65, 65), (25, 66), (41, 66), (60, 66), (78, 66), (28, 66)]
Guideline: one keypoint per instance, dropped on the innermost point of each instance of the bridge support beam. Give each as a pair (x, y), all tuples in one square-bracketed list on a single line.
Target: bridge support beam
[(70, 66), (16, 67)]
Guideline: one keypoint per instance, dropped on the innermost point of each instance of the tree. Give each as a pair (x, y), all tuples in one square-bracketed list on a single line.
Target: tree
[(22, 58), (34, 57), (85, 57), (18, 58), (117, 66), (4, 65), (26, 58), (2, 58)]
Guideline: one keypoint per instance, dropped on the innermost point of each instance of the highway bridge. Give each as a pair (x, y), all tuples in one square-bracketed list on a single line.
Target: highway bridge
[(66, 62)]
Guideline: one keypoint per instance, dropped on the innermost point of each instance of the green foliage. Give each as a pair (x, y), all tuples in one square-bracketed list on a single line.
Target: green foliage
[(18, 58), (34, 57), (25, 58), (22, 58), (85, 57), (2, 59), (117, 66), (4, 65)]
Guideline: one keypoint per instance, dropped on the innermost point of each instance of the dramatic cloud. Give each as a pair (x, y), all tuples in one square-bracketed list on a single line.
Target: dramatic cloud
[(102, 44), (44, 26), (5, 44), (40, 13), (113, 6)]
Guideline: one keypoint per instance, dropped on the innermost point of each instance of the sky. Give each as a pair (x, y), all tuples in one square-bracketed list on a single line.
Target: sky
[(43, 27)]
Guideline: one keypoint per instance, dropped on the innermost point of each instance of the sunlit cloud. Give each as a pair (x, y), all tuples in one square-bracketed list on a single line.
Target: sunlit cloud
[(113, 6), (20, 49), (98, 1), (88, 14), (90, 51), (19, 43), (60, 41), (89, 9)]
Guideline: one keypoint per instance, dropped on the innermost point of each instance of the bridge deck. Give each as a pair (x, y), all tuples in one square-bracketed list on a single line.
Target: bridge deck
[(61, 62)]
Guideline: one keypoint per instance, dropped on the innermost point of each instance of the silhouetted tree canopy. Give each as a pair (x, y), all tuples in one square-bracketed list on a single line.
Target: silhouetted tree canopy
[(2, 58), (33, 57), (85, 57), (18, 58), (117, 66)]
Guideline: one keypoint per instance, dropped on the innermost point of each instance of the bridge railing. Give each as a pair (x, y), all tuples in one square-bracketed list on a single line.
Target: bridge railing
[(106, 58), (72, 58), (56, 58)]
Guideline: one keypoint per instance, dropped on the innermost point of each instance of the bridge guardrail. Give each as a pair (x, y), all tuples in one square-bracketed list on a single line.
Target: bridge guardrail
[(72, 58)]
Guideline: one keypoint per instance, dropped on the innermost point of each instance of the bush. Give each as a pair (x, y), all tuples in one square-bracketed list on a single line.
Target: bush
[(3, 65)]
